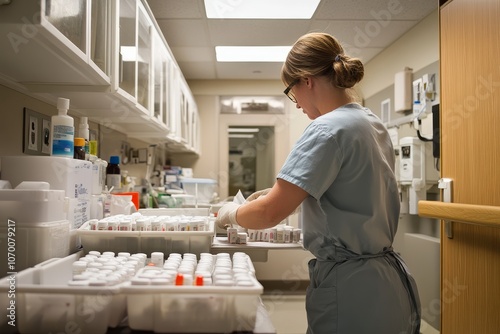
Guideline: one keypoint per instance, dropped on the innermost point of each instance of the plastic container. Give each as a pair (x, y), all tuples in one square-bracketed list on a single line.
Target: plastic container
[(193, 309), (32, 206), (34, 243), (46, 304), (36, 220), (62, 131), (98, 174), (202, 190), (68, 174)]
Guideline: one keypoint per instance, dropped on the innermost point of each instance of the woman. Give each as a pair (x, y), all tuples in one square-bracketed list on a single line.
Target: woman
[(341, 172)]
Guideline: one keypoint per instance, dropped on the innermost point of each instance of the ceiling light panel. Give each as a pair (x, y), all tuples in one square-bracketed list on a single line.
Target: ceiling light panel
[(251, 53), (260, 9)]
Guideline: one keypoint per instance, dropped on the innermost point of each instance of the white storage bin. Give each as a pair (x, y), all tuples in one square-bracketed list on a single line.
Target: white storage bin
[(34, 243), (39, 225), (32, 206), (192, 309), (202, 190), (71, 175), (46, 304)]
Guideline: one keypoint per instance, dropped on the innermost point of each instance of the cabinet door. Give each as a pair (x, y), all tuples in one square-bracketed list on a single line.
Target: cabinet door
[(70, 18), (159, 80), (100, 35), (144, 60), (127, 47)]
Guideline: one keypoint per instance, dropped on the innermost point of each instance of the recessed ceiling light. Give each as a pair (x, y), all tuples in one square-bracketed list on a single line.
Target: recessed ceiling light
[(240, 136), (251, 53), (243, 130), (261, 9)]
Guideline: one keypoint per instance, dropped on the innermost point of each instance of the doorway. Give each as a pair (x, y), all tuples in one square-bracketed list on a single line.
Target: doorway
[(251, 159)]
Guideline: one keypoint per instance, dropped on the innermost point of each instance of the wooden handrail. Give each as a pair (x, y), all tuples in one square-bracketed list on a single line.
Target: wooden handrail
[(465, 213)]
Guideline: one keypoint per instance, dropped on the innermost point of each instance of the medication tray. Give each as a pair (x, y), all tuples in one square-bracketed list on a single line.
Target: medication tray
[(45, 302), (151, 241)]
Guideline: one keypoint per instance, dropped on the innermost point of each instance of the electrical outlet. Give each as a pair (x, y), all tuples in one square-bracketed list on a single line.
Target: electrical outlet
[(45, 136), (36, 133), (33, 133)]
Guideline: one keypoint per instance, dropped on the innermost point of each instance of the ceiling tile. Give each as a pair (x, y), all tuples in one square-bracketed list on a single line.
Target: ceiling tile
[(198, 70), (189, 54), (177, 9), (377, 10), (361, 34), (184, 32)]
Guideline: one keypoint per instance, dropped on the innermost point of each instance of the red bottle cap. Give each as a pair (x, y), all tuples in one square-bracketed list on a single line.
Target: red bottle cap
[(179, 279)]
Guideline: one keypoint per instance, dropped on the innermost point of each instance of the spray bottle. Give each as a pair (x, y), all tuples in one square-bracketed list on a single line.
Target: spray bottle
[(62, 131)]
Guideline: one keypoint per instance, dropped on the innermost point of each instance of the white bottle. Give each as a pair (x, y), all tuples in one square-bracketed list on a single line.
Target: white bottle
[(62, 131), (83, 132)]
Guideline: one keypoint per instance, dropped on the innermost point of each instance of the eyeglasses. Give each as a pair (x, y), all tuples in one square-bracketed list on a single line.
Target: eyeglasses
[(288, 92)]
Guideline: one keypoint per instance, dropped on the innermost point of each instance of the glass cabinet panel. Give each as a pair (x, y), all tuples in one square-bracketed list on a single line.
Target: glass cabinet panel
[(70, 18), (100, 20), (128, 48), (159, 62), (166, 92), (144, 60)]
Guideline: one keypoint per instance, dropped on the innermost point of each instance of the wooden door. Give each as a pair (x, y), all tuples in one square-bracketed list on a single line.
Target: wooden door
[(470, 156)]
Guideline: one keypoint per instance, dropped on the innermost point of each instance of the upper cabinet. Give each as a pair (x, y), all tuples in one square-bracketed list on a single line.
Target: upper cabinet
[(108, 57), (55, 42)]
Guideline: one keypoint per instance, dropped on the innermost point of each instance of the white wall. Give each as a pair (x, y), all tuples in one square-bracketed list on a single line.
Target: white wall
[(416, 49)]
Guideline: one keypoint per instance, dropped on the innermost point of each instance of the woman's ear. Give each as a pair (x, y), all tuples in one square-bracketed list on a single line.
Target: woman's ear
[(308, 81)]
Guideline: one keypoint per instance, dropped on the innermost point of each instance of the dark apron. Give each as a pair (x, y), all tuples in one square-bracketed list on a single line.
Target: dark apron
[(343, 290)]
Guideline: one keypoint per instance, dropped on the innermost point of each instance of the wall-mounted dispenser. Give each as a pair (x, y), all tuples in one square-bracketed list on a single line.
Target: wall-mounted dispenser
[(403, 90)]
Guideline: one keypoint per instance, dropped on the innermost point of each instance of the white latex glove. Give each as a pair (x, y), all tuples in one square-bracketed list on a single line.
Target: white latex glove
[(257, 194), (226, 217)]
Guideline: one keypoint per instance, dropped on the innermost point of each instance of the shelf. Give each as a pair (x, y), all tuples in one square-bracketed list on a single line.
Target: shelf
[(257, 250)]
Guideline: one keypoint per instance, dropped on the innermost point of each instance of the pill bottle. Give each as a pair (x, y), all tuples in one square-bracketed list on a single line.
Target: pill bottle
[(112, 225), (79, 148), (113, 175)]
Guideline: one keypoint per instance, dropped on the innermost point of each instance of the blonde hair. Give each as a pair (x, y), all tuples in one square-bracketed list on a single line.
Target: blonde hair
[(320, 54)]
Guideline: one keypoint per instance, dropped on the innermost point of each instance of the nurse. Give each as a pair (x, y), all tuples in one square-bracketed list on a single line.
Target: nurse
[(341, 173)]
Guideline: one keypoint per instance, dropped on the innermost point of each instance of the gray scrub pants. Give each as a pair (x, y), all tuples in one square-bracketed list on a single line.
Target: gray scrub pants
[(357, 294)]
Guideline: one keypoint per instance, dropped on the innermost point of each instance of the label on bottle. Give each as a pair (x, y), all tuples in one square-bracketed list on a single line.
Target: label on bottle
[(114, 180), (62, 140)]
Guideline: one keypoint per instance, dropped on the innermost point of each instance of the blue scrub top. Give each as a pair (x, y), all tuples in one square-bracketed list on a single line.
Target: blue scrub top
[(345, 161)]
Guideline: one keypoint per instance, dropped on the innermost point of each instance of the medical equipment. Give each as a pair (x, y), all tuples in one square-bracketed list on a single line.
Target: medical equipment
[(416, 170)]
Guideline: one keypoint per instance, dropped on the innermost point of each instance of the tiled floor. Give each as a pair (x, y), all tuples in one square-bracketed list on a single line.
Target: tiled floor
[(288, 314)]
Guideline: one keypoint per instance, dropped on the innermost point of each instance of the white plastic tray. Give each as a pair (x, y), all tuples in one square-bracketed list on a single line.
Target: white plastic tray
[(196, 242), (193, 309), (46, 304)]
